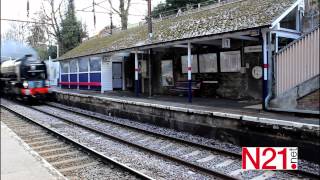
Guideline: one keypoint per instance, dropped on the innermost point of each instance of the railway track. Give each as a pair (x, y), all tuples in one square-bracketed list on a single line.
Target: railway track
[(212, 161), (232, 154), (236, 153), (72, 159)]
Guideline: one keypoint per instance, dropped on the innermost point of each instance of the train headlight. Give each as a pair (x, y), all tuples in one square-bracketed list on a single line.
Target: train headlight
[(47, 83), (25, 84)]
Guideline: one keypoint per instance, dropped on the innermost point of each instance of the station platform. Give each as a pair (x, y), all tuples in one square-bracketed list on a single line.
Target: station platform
[(241, 123), (18, 161), (244, 110)]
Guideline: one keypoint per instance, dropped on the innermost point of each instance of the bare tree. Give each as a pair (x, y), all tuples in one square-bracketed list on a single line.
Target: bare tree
[(16, 32), (38, 31), (53, 14), (123, 12)]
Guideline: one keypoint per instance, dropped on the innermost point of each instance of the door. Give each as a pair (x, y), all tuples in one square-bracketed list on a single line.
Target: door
[(117, 75)]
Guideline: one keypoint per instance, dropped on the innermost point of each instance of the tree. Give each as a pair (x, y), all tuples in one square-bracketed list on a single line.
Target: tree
[(38, 32), (52, 52), (16, 32), (37, 40), (63, 26), (71, 30), (53, 14), (123, 12)]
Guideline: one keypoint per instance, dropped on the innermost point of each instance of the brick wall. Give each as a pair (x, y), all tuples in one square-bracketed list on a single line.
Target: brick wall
[(310, 101)]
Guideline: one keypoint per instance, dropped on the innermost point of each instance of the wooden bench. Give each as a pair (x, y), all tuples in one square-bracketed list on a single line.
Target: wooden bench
[(182, 88)]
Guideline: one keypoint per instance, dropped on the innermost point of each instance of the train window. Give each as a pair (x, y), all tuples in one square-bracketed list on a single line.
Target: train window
[(73, 66), (95, 64), (65, 67), (83, 65)]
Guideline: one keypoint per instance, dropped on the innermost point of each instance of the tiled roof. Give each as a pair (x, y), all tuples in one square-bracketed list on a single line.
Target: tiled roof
[(228, 17)]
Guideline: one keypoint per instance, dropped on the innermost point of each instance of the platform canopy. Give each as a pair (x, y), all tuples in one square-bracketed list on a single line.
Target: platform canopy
[(217, 19)]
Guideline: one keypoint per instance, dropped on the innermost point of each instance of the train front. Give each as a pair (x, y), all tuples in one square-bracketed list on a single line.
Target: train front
[(33, 74)]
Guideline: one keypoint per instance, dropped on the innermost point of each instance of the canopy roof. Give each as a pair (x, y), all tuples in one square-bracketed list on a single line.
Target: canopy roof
[(234, 16)]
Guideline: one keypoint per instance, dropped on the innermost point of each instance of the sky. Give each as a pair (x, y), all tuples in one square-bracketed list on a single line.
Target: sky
[(17, 9)]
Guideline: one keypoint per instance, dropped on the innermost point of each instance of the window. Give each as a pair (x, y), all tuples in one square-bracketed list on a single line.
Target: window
[(184, 64), (65, 67), (208, 63), (73, 66), (95, 64), (83, 65), (230, 61)]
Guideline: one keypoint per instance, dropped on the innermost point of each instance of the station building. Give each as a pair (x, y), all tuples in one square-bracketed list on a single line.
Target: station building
[(224, 50)]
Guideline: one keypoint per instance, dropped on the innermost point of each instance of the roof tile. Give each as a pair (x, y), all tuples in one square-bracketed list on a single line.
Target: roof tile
[(228, 17)]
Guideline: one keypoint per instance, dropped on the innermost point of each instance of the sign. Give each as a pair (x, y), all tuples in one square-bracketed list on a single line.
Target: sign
[(250, 49), (107, 59), (258, 48), (257, 72), (270, 158), (226, 43), (166, 73)]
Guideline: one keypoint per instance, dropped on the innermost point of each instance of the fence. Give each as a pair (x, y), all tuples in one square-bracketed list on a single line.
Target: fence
[(298, 62)]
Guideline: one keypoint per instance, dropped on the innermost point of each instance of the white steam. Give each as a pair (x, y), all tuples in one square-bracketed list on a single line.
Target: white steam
[(14, 49)]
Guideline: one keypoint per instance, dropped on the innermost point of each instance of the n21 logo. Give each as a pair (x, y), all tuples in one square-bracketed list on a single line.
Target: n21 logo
[(270, 158)]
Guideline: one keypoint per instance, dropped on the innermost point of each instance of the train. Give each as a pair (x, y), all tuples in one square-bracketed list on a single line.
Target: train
[(24, 78)]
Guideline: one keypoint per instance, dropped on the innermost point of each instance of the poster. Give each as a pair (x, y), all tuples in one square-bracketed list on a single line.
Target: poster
[(194, 64), (230, 61), (208, 63), (167, 73)]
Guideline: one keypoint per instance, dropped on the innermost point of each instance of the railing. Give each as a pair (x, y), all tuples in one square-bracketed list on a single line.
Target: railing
[(298, 62)]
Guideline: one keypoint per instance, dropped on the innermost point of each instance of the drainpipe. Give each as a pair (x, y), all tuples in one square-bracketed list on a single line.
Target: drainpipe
[(265, 68), (189, 73), (268, 75), (270, 71), (136, 73)]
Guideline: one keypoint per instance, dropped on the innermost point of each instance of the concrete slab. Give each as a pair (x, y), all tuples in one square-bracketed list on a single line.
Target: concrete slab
[(19, 161)]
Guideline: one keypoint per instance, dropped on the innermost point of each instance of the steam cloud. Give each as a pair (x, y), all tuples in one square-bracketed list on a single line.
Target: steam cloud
[(15, 50)]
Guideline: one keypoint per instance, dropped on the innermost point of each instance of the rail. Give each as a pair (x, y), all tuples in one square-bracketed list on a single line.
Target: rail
[(84, 147)]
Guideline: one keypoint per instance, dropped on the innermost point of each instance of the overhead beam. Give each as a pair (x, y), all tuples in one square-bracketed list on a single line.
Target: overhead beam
[(181, 46), (245, 38), (195, 40), (286, 34)]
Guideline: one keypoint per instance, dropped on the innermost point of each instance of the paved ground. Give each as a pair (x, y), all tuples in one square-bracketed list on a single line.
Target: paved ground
[(18, 162), (207, 104)]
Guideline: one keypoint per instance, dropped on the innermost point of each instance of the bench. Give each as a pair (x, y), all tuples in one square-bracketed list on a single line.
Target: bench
[(182, 88)]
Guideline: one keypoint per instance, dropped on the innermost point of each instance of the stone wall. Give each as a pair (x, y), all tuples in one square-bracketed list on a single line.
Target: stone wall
[(304, 96), (310, 101), (311, 15)]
